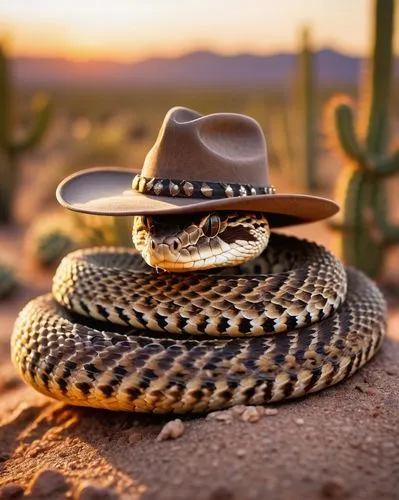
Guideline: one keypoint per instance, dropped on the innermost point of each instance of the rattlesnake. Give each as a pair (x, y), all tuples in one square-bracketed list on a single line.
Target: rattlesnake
[(288, 319)]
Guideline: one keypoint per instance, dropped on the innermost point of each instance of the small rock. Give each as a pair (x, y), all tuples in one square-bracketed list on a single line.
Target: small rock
[(334, 488), (299, 421), (241, 452), (172, 430), (377, 412), (47, 481), (11, 491), (91, 492), (253, 414), (220, 416), (361, 388), (270, 412), (238, 410)]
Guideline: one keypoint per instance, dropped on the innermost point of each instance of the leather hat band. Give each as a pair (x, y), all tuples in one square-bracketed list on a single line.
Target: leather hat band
[(196, 189)]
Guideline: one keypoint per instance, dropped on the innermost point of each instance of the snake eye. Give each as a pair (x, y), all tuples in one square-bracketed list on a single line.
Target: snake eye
[(211, 226)]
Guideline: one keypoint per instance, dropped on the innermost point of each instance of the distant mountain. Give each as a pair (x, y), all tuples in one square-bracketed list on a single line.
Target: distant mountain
[(197, 68)]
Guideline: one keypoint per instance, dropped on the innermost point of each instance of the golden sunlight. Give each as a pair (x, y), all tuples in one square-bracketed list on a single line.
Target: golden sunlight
[(131, 30)]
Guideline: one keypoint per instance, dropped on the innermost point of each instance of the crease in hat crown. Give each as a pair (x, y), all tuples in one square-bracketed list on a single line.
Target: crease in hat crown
[(221, 147), (198, 163)]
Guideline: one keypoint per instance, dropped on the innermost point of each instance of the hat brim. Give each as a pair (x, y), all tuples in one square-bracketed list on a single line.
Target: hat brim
[(107, 191)]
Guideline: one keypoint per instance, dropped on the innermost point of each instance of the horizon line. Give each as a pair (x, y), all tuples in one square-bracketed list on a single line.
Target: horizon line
[(182, 54)]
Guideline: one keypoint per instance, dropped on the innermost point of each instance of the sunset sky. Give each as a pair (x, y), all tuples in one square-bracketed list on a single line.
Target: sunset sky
[(129, 30)]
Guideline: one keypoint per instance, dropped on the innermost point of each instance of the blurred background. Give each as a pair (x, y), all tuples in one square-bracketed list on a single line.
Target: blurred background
[(88, 83)]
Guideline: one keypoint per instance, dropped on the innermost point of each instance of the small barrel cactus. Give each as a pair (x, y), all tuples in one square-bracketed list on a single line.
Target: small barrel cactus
[(7, 280), (96, 230), (52, 246), (50, 239)]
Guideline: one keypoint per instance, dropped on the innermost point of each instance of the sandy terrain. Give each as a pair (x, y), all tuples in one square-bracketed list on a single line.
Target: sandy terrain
[(341, 443)]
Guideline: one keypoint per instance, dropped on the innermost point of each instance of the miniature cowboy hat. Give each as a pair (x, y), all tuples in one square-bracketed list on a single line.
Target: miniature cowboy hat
[(197, 164)]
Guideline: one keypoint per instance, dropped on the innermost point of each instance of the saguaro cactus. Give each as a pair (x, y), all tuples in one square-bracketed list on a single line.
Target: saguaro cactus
[(363, 227), (10, 148), (306, 113), (296, 125)]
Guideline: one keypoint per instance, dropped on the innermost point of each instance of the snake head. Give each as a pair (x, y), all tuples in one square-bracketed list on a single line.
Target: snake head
[(200, 241)]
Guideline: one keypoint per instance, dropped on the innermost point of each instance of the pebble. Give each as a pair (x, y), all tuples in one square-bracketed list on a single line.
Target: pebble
[(220, 416), (91, 492), (299, 421), (360, 388), (245, 413), (334, 488), (11, 491), (172, 430), (47, 481), (238, 410), (253, 414), (241, 452)]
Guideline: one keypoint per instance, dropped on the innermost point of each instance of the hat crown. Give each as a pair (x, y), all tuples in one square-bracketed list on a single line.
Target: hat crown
[(221, 147)]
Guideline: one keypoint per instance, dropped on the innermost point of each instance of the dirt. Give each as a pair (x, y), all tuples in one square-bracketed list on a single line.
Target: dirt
[(340, 443)]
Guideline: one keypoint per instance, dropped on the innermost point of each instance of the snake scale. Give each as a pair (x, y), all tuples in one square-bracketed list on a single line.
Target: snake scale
[(123, 333)]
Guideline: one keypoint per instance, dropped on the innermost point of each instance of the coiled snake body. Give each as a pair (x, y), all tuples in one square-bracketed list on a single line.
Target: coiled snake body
[(287, 320)]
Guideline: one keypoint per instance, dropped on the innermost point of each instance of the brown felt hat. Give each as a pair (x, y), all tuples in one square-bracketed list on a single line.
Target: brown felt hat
[(197, 164)]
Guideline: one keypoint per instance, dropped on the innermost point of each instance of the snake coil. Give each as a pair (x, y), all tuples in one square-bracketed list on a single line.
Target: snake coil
[(116, 334)]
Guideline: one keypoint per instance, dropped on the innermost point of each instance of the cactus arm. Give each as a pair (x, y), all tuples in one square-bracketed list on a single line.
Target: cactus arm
[(339, 227), (42, 108), (344, 128), (391, 234), (380, 79), (384, 167)]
